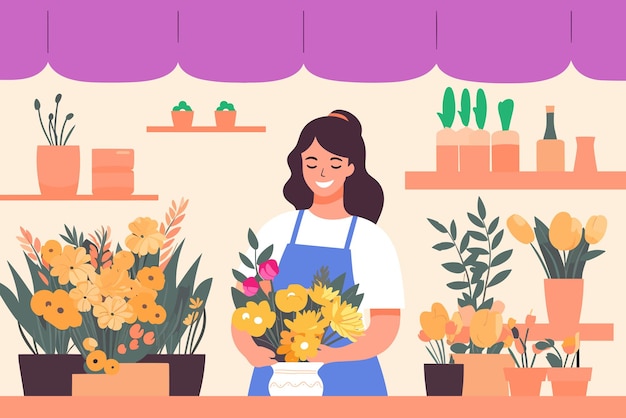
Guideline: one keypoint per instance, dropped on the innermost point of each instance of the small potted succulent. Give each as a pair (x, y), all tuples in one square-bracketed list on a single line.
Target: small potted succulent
[(225, 115), (182, 114), (447, 142)]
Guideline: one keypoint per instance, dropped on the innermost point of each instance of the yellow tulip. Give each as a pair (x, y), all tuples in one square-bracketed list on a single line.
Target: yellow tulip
[(520, 229), (434, 322), (485, 328), (595, 229), (571, 344), (565, 231)]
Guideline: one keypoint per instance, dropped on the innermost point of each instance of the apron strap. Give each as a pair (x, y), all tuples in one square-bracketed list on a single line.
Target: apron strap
[(350, 232), (296, 227)]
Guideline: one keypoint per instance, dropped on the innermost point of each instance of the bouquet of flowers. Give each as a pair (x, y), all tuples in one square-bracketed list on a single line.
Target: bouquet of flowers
[(293, 322), (115, 305)]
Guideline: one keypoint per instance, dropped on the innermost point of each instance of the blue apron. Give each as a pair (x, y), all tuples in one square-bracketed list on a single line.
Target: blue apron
[(298, 265)]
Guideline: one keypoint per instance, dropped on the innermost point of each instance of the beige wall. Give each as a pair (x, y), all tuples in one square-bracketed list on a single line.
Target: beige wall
[(234, 181)]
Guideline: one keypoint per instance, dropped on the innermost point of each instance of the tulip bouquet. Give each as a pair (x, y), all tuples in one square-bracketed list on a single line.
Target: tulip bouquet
[(565, 234), (295, 321), (437, 325)]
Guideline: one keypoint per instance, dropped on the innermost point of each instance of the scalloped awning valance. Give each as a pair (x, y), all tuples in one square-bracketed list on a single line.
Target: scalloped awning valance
[(496, 41)]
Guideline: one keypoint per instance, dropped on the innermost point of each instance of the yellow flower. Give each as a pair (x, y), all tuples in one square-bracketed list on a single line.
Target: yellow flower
[(56, 308), (111, 366), (520, 229), (307, 322), (158, 315), (195, 303), (145, 237), (595, 229), (151, 277), (485, 327), (344, 319), (135, 288), (113, 313), (434, 322), (124, 259), (50, 250), (85, 294), (454, 327), (322, 295), (565, 232), (254, 318), (144, 306), (96, 360), (190, 319), (113, 281), (72, 266), (90, 344), (292, 299), (305, 346), (571, 344)]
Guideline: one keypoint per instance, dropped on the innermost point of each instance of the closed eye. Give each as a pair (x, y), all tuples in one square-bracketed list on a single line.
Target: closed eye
[(335, 166), (311, 166)]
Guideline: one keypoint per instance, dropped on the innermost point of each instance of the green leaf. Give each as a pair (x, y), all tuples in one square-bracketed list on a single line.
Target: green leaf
[(501, 258), (438, 226), (542, 345), (499, 277), (479, 236), (497, 239), (449, 108), (246, 261), (203, 290), (478, 251), (469, 261), (492, 226), (481, 209), (453, 229), (480, 286), (443, 246), (254, 243), (265, 255), (465, 111), (464, 242), (459, 348), (486, 304), (480, 110), (239, 275), (239, 299), (496, 348), (454, 267), (591, 254), (505, 110), (337, 283), (458, 285), (554, 360), (475, 220)]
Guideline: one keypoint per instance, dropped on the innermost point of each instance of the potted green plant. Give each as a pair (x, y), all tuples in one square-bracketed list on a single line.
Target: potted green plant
[(447, 141), (225, 115), (477, 262), (475, 153), (563, 253), (566, 378), (505, 142), (58, 164), (182, 115)]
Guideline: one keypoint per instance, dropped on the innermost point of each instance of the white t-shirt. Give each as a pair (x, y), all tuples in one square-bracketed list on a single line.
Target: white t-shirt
[(375, 264)]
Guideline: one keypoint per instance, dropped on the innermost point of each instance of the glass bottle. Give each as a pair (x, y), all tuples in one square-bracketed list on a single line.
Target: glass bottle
[(550, 149)]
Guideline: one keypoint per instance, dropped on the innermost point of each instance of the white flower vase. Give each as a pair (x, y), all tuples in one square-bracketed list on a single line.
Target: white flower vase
[(296, 379)]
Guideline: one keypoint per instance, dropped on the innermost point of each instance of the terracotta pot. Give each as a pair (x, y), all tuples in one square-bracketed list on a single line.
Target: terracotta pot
[(112, 172), (525, 381), (550, 155), (49, 374), (447, 151), (182, 118), (483, 374), (112, 159), (186, 372), (225, 118), (569, 381), (58, 170), (564, 299), (505, 151), (133, 379), (475, 153), (443, 379), (585, 161)]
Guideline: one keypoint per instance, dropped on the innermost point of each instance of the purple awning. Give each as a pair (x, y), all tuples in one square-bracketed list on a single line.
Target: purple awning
[(252, 41)]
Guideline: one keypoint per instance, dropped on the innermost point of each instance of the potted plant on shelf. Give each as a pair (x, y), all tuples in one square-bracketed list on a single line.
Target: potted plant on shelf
[(482, 338), (565, 378), (294, 321), (182, 115), (225, 115), (563, 254), (444, 377), (524, 379), (58, 164), (447, 141), (476, 152), (505, 143)]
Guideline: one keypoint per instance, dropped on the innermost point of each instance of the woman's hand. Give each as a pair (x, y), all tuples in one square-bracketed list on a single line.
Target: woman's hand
[(259, 356), (326, 354)]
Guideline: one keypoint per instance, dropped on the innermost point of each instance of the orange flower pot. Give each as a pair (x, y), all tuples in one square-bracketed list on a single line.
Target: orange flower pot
[(505, 151), (525, 381), (483, 374), (112, 172), (133, 379), (475, 153), (550, 155), (447, 151), (569, 381), (564, 299), (58, 170), (225, 118), (182, 118)]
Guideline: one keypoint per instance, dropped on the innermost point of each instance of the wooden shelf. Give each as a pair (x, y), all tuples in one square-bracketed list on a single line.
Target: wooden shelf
[(78, 197), (588, 332), (206, 129), (531, 180)]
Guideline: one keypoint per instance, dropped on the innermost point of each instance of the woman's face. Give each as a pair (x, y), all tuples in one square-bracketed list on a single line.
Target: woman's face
[(325, 173)]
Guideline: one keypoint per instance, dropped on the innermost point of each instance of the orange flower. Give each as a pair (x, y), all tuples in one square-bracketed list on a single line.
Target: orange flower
[(292, 299), (62, 313), (158, 315), (95, 360), (50, 250), (485, 328), (41, 302), (85, 294), (565, 232), (145, 237), (151, 277), (123, 259), (90, 344), (434, 322), (72, 266), (520, 229), (111, 366), (144, 306), (113, 313), (571, 344), (113, 281), (595, 229), (422, 336), (135, 331), (148, 338)]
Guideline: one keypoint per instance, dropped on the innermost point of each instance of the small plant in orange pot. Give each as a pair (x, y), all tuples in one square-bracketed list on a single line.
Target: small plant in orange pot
[(505, 143), (58, 164), (476, 151), (566, 378), (182, 115), (447, 141), (225, 115)]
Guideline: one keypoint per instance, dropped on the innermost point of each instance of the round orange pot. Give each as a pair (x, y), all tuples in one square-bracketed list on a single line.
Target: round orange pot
[(58, 170), (564, 299), (225, 118), (525, 381), (182, 118), (569, 381)]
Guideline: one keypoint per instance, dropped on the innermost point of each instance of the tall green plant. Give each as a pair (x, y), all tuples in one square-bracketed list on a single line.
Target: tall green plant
[(480, 110), (53, 136), (505, 110), (448, 108), (466, 108)]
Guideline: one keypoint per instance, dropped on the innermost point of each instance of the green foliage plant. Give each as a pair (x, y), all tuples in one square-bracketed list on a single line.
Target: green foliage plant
[(53, 136), (449, 108)]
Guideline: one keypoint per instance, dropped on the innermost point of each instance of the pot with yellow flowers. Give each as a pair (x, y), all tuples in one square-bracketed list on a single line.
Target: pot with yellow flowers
[(565, 375), (443, 377), (563, 253)]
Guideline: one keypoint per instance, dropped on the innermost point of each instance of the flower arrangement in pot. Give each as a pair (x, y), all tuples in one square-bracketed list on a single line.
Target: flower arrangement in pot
[(563, 254), (58, 164), (482, 331), (182, 115), (443, 377), (295, 321), (225, 115)]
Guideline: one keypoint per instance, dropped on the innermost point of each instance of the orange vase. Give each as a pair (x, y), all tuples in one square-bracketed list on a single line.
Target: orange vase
[(483, 374), (58, 170), (525, 381), (569, 381), (585, 161), (564, 299)]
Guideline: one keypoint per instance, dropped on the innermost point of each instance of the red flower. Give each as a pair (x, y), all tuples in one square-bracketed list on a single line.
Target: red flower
[(268, 269), (250, 286)]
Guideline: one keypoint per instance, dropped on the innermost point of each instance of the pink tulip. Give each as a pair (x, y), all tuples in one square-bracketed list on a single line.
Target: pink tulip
[(250, 286), (422, 336), (268, 269)]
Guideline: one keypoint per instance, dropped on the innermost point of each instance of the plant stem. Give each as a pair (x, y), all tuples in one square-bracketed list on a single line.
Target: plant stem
[(432, 355), (543, 264), (42, 127), (489, 264), (469, 284), (514, 358)]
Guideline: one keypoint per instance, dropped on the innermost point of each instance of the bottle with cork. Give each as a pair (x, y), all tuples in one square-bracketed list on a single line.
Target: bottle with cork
[(550, 149)]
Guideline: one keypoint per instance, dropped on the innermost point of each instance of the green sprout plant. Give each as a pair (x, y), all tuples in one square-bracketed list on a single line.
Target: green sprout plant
[(480, 110), (52, 134), (505, 110), (464, 113), (224, 105), (182, 105), (449, 108)]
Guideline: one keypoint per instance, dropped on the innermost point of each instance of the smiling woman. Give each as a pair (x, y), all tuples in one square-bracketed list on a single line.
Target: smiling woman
[(337, 206)]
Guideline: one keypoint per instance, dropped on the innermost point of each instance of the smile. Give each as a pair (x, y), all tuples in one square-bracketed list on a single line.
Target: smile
[(324, 184)]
